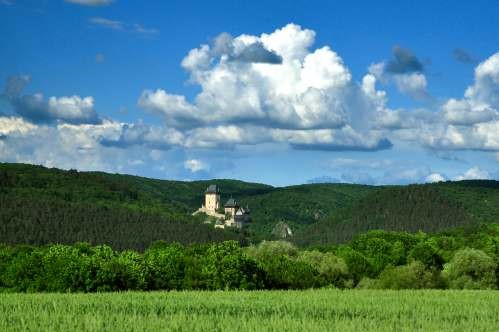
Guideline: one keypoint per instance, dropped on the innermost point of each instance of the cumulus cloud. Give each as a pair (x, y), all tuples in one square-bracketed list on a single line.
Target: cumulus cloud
[(196, 165), (275, 85), (71, 109), (435, 177), (158, 138), (473, 121), (474, 173), (92, 3)]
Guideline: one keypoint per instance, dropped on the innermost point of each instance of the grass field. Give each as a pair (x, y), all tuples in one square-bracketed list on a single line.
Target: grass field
[(320, 310)]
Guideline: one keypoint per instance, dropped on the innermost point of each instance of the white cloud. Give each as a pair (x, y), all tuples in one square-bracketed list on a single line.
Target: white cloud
[(107, 23), (123, 26), (275, 86), (481, 100), (196, 165), (412, 84), (71, 109), (474, 173), (10, 125), (435, 177)]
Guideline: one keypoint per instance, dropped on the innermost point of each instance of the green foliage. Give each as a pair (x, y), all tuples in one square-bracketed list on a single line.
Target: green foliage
[(470, 269), (427, 254), (411, 276), (226, 267), (165, 266), (332, 269), (42, 206)]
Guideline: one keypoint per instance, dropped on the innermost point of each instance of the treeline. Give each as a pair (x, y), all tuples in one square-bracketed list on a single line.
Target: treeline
[(462, 259), (41, 206), (410, 208), (42, 221)]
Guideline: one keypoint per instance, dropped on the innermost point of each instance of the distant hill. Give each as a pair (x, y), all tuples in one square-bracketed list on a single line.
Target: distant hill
[(40, 205)]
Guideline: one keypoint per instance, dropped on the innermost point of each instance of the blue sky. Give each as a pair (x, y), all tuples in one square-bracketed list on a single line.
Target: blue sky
[(267, 91)]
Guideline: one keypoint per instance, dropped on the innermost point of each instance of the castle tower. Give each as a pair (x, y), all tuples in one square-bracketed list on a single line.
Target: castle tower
[(212, 198)]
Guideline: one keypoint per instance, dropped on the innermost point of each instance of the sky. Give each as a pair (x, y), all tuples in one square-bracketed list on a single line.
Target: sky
[(275, 92)]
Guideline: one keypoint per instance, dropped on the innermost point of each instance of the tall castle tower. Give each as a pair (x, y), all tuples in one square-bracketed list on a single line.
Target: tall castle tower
[(212, 198)]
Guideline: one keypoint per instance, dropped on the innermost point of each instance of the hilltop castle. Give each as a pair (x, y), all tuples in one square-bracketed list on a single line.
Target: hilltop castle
[(234, 215)]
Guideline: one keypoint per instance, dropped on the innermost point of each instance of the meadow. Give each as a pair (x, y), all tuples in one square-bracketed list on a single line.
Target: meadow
[(310, 310)]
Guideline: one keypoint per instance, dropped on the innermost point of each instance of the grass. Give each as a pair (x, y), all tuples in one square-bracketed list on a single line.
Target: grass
[(313, 310)]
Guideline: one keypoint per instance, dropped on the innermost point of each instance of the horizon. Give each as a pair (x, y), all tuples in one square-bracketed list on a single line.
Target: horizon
[(260, 183), (265, 92)]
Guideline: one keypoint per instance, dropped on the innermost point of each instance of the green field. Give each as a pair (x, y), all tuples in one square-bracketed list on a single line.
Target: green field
[(313, 310)]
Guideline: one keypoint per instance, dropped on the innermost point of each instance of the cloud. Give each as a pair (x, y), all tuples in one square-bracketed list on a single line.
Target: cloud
[(435, 177), (158, 138), (471, 123), (107, 23), (404, 61), (474, 173), (413, 85), (274, 85), (406, 72), (196, 165), (70, 109), (249, 50), (409, 82), (122, 26), (463, 56), (92, 3)]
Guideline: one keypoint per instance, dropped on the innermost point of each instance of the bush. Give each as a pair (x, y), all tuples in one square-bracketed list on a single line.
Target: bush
[(332, 269), (269, 249), (470, 269), (358, 265), (165, 267), (226, 267), (426, 254), (410, 276)]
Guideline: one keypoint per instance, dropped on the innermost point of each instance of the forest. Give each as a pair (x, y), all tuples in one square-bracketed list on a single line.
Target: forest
[(460, 259), (41, 206)]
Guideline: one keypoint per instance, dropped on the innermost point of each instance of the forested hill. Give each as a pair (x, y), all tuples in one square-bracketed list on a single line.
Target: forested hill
[(40, 205)]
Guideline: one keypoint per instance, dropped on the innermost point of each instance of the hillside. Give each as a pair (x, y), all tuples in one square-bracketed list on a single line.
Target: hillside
[(41, 205)]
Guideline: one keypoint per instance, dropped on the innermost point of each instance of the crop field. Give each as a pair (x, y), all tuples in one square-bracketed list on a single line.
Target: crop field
[(313, 310)]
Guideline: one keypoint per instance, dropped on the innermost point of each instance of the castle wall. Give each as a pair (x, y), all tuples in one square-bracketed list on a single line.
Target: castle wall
[(212, 201)]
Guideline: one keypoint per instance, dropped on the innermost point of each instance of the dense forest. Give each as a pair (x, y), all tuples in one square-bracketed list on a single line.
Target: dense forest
[(41, 206), (465, 258)]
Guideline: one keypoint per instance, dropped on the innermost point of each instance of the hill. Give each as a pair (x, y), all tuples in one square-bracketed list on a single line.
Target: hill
[(41, 205)]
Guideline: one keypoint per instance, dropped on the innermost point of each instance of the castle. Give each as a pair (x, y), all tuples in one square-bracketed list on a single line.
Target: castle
[(234, 215)]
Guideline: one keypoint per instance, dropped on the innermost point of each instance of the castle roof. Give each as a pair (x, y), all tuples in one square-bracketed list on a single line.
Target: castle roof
[(231, 203), (212, 189)]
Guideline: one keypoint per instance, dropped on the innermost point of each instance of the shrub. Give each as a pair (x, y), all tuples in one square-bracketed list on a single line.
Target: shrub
[(470, 269), (165, 266), (332, 269), (410, 276)]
